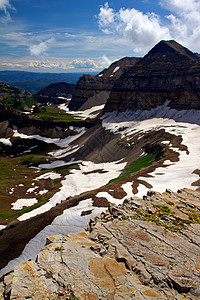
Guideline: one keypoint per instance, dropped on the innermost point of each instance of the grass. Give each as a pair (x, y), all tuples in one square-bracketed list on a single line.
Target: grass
[(15, 171), (136, 165), (54, 113), (19, 103)]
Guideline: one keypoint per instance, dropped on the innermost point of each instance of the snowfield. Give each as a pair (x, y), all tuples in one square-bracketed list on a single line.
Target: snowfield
[(83, 114), (86, 178), (181, 123), (89, 176)]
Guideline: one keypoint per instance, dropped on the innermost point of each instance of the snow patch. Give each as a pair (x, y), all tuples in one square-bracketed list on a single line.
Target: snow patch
[(30, 190), (116, 69), (20, 203), (43, 192), (79, 181), (6, 141), (49, 175), (127, 187)]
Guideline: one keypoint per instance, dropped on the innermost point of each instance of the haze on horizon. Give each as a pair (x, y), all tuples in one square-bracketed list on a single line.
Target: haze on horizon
[(85, 36)]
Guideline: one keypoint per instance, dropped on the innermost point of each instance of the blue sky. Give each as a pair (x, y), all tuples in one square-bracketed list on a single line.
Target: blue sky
[(87, 35)]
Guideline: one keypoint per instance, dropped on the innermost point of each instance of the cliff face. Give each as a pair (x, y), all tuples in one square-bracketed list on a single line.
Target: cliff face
[(168, 72), (97, 88), (54, 93)]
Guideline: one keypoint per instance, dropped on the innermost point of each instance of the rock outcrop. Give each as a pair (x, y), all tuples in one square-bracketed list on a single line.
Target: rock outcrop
[(143, 249), (55, 93), (168, 72), (94, 90)]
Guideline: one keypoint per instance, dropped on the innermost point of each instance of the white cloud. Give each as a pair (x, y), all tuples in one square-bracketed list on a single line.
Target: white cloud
[(104, 61), (41, 49), (144, 30), (182, 23), (106, 17), (5, 5), (84, 64)]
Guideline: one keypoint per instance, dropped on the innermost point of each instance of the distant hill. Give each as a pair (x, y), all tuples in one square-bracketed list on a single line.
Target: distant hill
[(15, 98), (33, 82), (55, 93)]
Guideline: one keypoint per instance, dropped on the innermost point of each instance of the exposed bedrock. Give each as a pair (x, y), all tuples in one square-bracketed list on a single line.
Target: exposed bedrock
[(168, 72), (95, 90), (11, 118), (123, 255), (54, 93)]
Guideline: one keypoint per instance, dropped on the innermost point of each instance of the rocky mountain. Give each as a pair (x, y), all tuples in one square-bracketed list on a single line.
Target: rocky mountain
[(55, 93), (57, 175), (142, 249), (168, 72), (16, 98), (94, 90)]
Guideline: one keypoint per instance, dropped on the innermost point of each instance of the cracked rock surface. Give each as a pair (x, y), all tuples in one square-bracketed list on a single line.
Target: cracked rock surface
[(137, 250)]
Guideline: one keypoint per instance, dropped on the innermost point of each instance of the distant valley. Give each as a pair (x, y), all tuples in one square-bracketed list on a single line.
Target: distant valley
[(33, 82)]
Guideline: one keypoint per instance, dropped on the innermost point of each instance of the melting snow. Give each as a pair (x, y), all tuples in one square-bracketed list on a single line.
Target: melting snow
[(20, 203), (127, 187), (49, 175), (116, 69), (6, 141), (84, 114), (43, 192), (78, 182), (185, 123), (30, 190), (2, 227)]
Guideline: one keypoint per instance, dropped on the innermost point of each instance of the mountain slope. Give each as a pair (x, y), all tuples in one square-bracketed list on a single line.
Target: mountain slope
[(168, 72), (16, 98), (94, 90), (55, 93)]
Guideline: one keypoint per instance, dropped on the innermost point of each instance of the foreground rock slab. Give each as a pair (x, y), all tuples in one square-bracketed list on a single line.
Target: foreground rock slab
[(125, 254)]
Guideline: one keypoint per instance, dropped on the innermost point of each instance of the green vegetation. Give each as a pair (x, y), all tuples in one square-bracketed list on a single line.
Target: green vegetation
[(195, 216), (170, 203), (163, 208), (58, 249), (136, 165), (16, 177), (54, 113), (19, 103)]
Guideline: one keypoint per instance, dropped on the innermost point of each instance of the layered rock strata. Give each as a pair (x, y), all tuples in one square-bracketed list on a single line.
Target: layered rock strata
[(168, 72), (55, 93), (95, 90), (143, 249)]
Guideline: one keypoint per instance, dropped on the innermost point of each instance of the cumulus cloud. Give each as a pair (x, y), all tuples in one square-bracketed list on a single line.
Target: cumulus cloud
[(182, 23), (144, 30), (84, 64), (106, 18), (41, 49), (104, 61)]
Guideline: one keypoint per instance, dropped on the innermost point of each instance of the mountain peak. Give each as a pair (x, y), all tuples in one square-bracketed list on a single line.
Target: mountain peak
[(169, 48)]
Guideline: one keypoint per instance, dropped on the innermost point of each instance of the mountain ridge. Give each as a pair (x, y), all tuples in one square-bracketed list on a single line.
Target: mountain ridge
[(163, 74)]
